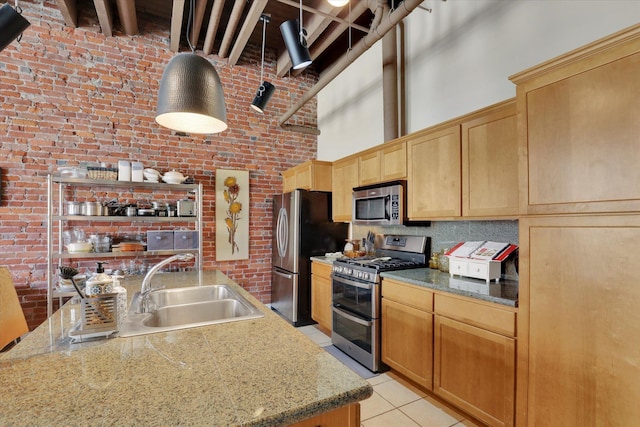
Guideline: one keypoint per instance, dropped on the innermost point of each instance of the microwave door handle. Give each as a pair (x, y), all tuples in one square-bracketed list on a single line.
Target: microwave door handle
[(351, 317), (387, 207)]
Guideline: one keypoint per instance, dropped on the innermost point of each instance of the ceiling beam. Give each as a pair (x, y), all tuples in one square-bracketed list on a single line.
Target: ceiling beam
[(69, 12), (105, 16), (316, 49), (236, 14), (127, 14), (387, 23), (177, 13), (212, 28), (253, 17), (201, 5)]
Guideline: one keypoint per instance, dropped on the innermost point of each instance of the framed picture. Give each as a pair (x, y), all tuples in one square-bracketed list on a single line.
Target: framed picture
[(232, 214)]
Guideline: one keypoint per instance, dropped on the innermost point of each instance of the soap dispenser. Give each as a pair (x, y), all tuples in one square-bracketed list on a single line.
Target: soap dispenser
[(99, 283), (121, 298)]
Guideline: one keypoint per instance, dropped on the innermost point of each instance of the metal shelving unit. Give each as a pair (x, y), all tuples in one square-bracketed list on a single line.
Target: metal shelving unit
[(55, 205)]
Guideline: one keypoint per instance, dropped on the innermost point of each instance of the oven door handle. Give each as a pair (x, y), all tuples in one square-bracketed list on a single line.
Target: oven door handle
[(352, 317), (353, 282)]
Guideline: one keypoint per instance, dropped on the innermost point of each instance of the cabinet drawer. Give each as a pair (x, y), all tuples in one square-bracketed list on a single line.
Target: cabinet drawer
[(411, 295), (321, 269), (159, 240), (458, 266), (185, 239), (479, 314)]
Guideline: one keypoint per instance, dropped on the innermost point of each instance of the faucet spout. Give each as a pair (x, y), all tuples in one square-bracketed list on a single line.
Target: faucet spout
[(146, 288)]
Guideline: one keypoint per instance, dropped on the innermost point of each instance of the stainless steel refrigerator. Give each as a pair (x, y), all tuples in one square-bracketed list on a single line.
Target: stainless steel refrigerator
[(302, 228)]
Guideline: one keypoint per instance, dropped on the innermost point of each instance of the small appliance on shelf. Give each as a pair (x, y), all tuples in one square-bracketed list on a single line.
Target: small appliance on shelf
[(480, 259)]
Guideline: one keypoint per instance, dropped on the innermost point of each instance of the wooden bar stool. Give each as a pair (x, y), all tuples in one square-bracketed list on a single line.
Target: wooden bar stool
[(12, 321)]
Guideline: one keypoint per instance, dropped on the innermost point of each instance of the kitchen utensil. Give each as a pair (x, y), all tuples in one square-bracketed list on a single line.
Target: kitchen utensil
[(146, 212), (173, 177), (68, 273), (74, 208), (132, 210), (93, 209), (79, 247)]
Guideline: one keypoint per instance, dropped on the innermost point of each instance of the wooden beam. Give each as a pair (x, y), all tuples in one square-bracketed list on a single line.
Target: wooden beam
[(69, 12), (105, 16), (316, 49), (127, 14), (176, 24), (253, 17), (236, 14), (212, 28), (201, 5)]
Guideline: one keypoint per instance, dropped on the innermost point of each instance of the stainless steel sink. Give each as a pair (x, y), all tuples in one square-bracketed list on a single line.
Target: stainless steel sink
[(181, 308), (197, 313), (176, 296)]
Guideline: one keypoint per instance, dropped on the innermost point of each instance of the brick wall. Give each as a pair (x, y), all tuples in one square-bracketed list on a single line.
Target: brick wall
[(72, 95)]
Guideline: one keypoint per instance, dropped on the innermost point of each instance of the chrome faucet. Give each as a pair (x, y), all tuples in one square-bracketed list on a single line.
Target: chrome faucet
[(146, 288)]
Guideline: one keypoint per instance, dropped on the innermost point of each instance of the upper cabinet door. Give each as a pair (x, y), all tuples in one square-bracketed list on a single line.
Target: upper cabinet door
[(369, 167), (394, 161), (490, 163), (579, 121), (345, 178), (433, 182)]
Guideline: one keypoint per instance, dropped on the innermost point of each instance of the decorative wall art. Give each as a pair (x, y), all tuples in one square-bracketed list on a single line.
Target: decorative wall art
[(232, 214)]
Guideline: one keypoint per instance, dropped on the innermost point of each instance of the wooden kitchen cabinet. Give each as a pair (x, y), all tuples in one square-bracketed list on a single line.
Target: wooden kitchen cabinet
[(579, 133), (434, 177), (383, 163), (466, 167), (346, 416), (579, 321), (321, 294), (490, 162), (313, 175), (345, 176), (407, 331), (474, 358)]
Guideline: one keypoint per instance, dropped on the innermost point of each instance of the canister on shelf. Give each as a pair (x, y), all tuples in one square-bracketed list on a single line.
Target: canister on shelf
[(124, 170)]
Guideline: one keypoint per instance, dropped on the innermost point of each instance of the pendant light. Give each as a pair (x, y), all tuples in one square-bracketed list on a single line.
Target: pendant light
[(12, 24), (294, 35), (190, 98), (266, 89), (338, 3)]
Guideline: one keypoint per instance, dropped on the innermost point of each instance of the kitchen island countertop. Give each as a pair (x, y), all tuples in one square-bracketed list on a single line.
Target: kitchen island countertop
[(259, 372)]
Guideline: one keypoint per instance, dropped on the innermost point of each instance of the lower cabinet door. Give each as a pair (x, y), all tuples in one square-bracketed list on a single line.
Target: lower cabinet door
[(474, 369), (321, 300), (407, 341)]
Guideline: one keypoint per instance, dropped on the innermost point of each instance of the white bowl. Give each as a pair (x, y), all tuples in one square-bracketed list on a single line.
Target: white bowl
[(173, 179), (79, 247)]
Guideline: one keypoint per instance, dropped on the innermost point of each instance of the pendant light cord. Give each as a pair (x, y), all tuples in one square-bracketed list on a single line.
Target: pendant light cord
[(264, 35), (303, 42), (189, 22)]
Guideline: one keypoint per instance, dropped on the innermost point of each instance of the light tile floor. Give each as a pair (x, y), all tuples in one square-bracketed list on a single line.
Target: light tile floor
[(395, 402)]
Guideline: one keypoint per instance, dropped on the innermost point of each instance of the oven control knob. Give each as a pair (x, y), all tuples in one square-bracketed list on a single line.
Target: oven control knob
[(365, 276), (358, 274)]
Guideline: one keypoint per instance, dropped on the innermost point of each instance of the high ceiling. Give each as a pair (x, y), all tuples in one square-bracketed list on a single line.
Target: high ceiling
[(236, 23)]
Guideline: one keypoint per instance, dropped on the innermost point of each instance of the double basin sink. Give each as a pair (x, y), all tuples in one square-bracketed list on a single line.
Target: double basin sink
[(181, 308)]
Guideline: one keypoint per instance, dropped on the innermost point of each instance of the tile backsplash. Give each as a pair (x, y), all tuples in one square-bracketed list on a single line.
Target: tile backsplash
[(445, 234)]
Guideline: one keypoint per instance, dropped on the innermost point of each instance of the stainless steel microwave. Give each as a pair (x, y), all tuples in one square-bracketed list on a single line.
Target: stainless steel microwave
[(381, 204)]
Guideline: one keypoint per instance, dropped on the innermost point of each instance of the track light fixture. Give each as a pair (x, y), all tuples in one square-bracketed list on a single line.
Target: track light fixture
[(266, 89), (12, 24), (294, 35), (191, 99)]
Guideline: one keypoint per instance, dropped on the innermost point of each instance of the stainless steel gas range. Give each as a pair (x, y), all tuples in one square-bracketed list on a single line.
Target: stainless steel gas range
[(356, 294)]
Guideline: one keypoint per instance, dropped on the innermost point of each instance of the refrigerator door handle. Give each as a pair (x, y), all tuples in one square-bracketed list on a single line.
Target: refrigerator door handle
[(282, 231), (286, 276)]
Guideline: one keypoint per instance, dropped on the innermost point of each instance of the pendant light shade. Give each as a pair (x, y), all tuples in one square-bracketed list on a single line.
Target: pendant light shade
[(263, 96), (191, 99), (294, 40), (338, 3), (12, 24)]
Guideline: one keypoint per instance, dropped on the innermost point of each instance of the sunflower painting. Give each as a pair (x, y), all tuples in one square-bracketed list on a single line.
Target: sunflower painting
[(232, 216)]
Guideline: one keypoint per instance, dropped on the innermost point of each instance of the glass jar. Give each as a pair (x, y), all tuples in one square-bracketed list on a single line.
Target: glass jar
[(443, 261)]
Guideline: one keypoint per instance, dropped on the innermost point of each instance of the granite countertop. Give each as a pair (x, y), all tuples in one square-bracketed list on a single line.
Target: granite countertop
[(259, 372), (504, 292)]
